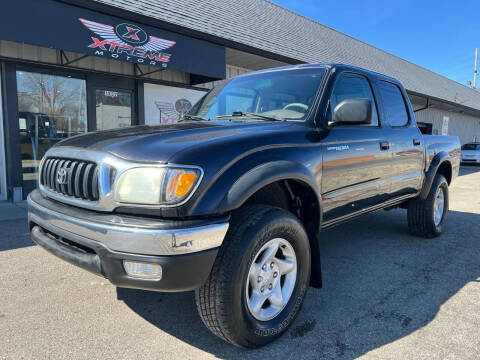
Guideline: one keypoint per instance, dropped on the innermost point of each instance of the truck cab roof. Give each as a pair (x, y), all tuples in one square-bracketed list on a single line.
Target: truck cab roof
[(330, 66)]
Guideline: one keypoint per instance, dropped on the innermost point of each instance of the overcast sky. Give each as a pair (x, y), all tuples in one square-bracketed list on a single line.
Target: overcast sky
[(439, 35)]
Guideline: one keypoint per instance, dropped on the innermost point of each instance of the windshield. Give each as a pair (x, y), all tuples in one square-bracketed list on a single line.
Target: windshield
[(282, 95), (471, 147)]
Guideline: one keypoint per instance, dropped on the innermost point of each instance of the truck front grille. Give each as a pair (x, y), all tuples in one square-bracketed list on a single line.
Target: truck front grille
[(78, 179)]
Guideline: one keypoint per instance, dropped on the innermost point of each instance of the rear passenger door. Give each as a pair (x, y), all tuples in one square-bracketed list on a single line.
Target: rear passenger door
[(405, 138), (355, 167)]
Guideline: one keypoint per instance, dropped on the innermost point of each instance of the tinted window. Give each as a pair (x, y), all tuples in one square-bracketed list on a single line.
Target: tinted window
[(393, 104), (471, 147), (352, 86)]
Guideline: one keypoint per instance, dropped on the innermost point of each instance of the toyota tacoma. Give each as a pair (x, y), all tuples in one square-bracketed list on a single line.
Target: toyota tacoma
[(231, 201)]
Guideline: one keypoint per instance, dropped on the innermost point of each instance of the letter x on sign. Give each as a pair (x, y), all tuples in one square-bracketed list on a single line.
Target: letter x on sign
[(132, 33)]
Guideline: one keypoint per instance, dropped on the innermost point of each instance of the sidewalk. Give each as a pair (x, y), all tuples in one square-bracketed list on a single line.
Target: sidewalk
[(13, 226), (11, 211)]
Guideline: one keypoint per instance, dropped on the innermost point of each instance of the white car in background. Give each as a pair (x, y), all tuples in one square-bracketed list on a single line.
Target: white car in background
[(471, 153)]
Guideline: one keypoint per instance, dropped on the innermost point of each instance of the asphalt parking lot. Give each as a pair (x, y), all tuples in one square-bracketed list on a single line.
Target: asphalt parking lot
[(386, 295)]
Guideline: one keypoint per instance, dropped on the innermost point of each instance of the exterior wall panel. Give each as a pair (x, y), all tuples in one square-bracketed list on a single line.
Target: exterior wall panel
[(36, 53), (461, 125), (231, 72)]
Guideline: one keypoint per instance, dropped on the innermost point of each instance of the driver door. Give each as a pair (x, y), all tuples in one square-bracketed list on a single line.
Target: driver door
[(355, 162)]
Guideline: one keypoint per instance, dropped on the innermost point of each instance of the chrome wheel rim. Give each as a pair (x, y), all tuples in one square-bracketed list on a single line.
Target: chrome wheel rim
[(438, 206), (271, 279)]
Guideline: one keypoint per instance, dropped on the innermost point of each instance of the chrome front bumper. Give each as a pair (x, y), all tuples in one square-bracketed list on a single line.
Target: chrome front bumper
[(126, 234)]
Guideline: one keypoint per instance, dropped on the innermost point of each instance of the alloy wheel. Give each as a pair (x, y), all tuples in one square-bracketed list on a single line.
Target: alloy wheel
[(271, 279)]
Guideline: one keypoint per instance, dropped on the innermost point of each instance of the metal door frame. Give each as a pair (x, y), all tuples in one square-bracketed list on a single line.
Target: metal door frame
[(3, 172), (113, 83)]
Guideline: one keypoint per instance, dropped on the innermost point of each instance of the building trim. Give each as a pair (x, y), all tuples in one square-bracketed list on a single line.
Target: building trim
[(46, 66), (12, 133)]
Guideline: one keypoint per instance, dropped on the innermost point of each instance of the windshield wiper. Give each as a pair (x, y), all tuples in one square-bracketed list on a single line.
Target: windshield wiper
[(249, 114), (194, 117)]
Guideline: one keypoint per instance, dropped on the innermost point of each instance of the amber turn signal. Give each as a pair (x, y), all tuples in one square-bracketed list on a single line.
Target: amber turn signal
[(185, 183)]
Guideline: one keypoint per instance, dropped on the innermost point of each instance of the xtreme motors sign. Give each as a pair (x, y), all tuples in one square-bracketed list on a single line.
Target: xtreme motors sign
[(58, 25), (128, 42)]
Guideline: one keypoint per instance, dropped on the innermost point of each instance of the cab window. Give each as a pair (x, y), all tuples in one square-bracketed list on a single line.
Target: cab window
[(352, 86), (393, 104)]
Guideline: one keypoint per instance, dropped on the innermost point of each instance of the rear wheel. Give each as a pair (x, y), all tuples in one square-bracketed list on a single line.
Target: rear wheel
[(259, 279), (427, 217)]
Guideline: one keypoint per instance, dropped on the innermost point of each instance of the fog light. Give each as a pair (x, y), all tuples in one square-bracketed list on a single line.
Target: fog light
[(143, 270)]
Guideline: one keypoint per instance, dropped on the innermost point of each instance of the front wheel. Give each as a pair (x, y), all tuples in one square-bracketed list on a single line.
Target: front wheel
[(427, 217), (260, 277)]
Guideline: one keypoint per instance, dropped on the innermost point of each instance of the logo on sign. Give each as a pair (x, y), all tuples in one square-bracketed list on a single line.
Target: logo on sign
[(131, 34), (128, 42), (62, 176), (183, 106)]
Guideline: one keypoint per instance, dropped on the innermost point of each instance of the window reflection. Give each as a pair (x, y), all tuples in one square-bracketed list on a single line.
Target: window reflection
[(50, 108), (114, 109)]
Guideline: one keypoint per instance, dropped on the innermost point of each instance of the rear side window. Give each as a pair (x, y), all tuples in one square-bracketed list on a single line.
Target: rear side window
[(352, 86), (393, 104)]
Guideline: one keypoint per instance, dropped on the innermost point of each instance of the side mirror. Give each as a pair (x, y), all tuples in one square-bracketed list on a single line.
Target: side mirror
[(353, 112)]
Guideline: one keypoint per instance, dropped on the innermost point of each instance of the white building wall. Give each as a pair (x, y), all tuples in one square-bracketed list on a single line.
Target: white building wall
[(461, 125)]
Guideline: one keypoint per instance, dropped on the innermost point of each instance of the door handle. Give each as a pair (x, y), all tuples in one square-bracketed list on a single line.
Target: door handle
[(384, 145), (416, 142)]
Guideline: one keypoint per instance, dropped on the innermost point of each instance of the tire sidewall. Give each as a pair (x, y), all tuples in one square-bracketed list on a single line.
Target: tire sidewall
[(439, 182), (276, 224)]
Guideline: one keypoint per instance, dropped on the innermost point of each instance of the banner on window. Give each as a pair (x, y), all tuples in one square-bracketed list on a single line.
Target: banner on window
[(166, 104)]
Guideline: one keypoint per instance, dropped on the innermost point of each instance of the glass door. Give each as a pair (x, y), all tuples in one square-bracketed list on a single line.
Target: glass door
[(3, 172), (50, 108), (113, 108)]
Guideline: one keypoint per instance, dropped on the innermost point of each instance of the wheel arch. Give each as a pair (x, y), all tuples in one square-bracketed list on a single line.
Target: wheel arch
[(264, 175), (440, 164), (287, 185)]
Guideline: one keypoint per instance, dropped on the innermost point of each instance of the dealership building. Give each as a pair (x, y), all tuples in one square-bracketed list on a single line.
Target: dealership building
[(72, 66)]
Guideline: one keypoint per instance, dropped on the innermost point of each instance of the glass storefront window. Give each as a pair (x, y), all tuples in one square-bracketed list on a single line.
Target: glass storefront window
[(50, 108), (114, 109)]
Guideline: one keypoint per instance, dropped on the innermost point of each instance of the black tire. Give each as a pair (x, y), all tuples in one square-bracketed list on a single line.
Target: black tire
[(221, 301), (421, 212)]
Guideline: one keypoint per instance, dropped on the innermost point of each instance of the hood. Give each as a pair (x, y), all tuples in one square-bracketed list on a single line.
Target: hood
[(160, 143)]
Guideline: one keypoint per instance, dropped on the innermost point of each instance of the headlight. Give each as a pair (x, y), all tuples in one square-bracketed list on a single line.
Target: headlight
[(156, 185)]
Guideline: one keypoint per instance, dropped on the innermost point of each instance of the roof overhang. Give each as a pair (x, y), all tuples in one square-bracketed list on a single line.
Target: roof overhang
[(420, 101)]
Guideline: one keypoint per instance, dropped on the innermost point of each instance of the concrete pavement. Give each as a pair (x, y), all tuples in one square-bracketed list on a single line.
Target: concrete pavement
[(386, 295)]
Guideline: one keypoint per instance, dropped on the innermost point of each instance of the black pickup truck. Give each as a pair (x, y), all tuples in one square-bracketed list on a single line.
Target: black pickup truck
[(230, 202)]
